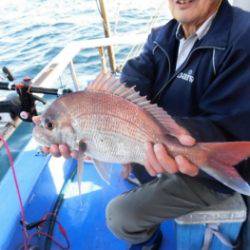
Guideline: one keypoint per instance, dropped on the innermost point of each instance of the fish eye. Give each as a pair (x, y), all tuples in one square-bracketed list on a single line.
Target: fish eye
[(49, 125)]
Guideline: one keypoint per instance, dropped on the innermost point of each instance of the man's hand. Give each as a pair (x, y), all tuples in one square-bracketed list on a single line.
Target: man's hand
[(56, 150), (159, 161)]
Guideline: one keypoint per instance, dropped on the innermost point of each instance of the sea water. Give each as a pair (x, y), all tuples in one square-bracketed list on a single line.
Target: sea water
[(32, 32)]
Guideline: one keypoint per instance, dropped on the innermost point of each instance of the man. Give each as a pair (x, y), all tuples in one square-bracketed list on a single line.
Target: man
[(195, 67)]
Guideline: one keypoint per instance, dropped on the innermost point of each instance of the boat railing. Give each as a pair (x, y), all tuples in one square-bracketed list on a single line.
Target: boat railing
[(65, 58), (48, 76), (29, 165)]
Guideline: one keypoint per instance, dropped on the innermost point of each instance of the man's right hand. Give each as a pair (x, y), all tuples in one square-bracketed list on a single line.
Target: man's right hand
[(56, 150), (160, 161)]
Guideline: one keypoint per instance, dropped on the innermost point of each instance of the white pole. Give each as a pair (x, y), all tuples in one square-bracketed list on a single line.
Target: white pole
[(73, 75)]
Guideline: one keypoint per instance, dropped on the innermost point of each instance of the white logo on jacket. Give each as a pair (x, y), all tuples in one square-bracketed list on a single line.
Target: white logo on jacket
[(188, 77)]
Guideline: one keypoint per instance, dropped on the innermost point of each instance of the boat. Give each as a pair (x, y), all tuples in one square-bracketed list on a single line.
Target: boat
[(50, 180), (54, 215)]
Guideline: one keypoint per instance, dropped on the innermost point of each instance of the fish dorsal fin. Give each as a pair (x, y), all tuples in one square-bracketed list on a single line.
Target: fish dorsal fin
[(105, 82)]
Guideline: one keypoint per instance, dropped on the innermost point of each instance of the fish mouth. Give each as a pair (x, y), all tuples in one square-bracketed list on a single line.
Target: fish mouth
[(40, 137)]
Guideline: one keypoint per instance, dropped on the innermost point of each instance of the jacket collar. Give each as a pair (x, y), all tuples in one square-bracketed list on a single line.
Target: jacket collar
[(219, 32), (199, 33), (217, 36)]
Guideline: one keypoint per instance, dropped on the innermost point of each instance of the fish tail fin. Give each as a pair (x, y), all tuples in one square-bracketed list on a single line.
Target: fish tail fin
[(229, 153), (221, 157)]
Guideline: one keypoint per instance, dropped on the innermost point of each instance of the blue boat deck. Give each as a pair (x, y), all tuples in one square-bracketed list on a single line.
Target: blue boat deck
[(84, 216), (43, 180)]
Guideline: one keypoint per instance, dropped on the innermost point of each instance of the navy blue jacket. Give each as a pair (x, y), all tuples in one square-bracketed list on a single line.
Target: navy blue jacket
[(210, 93)]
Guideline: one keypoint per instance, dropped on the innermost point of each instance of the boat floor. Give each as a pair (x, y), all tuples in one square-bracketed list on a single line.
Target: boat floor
[(83, 217)]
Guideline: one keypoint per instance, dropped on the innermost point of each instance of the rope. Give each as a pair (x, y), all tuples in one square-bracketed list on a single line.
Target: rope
[(98, 8), (135, 50), (26, 238), (24, 230), (213, 230), (117, 16), (49, 236)]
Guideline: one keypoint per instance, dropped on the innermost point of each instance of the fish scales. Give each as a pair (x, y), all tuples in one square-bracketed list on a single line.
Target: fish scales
[(101, 106), (108, 126)]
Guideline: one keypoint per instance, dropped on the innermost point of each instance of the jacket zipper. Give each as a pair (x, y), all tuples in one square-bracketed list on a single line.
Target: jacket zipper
[(166, 54), (182, 67)]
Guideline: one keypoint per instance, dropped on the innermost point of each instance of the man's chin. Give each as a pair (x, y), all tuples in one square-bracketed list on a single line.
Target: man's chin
[(185, 20)]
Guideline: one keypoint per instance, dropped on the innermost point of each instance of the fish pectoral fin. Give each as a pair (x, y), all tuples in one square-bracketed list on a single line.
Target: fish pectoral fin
[(104, 170), (80, 168)]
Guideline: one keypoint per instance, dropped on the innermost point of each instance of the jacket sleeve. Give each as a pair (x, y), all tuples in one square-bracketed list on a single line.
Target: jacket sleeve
[(225, 104), (139, 71)]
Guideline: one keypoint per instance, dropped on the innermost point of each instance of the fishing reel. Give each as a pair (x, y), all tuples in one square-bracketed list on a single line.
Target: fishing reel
[(22, 103)]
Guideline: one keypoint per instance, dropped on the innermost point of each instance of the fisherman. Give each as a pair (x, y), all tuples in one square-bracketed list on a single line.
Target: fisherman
[(195, 67)]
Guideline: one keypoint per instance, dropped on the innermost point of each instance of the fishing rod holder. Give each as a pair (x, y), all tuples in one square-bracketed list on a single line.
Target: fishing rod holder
[(23, 105)]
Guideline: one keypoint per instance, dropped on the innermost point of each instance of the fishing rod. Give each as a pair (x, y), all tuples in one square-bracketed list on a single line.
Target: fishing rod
[(23, 105)]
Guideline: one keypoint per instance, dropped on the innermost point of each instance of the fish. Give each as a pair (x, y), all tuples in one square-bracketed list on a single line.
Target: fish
[(112, 123)]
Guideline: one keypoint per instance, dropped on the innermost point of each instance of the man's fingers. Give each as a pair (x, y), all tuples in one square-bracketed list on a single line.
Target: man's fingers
[(166, 161), (150, 169), (74, 154), (152, 159), (54, 150), (60, 150), (185, 166), (36, 119), (186, 140), (64, 150), (45, 150)]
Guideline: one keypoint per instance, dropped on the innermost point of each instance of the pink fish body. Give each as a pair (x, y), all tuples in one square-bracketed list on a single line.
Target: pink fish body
[(115, 123)]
